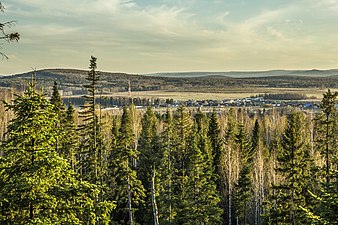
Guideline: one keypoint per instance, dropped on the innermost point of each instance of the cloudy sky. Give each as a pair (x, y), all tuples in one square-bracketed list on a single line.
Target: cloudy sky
[(141, 36)]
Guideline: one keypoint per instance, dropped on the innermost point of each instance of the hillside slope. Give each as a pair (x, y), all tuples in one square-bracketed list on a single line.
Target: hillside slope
[(71, 81)]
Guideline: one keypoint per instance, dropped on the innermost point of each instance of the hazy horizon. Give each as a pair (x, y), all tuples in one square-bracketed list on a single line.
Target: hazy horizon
[(148, 36)]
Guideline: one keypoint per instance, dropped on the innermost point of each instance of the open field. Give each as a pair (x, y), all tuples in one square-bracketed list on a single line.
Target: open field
[(229, 94)]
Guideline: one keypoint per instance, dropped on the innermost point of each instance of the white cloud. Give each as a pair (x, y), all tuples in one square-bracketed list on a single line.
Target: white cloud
[(130, 36)]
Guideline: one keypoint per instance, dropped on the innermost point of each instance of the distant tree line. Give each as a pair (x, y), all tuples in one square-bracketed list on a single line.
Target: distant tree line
[(72, 80), (106, 102), (283, 96)]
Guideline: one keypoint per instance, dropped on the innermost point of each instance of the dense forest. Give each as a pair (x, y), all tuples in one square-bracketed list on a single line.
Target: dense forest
[(59, 165), (72, 81)]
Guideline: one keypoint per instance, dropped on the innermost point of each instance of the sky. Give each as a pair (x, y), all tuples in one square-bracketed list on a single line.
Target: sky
[(147, 36)]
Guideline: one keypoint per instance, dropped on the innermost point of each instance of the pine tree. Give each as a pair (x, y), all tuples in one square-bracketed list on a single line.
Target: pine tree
[(167, 211), (90, 131), (59, 109), (182, 128), (326, 196), (37, 185), (199, 196), (57, 102), (244, 190), (148, 145), (215, 138), (293, 166), (127, 188), (326, 131), (70, 140)]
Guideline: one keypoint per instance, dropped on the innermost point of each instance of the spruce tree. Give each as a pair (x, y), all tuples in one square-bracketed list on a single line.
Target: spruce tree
[(167, 211), (91, 139), (215, 138), (327, 132), (59, 109), (149, 160), (293, 167), (326, 196), (243, 188), (37, 185), (199, 196), (127, 189), (57, 102)]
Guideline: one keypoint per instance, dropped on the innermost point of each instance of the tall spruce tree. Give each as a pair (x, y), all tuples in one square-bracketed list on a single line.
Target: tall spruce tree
[(90, 129), (327, 132), (167, 211), (215, 138), (149, 160), (294, 169), (59, 109), (37, 185), (128, 190), (199, 196), (326, 196), (70, 139), (243, 188)]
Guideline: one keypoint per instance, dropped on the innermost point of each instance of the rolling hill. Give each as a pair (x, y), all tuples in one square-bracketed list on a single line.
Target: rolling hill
[(71, 81)]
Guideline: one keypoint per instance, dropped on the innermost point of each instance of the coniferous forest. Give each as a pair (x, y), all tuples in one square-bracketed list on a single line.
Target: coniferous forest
[(60, 165)]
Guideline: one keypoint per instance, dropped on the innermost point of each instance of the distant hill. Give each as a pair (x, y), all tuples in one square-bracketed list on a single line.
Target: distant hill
[(71, 81), (247, 74)]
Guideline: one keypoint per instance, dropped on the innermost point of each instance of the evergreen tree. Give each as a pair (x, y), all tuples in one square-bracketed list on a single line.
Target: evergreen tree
[(326, 196), (37, 185), (167, 211), (127, 188), (59, 109), (244, 190), (293, 167), (70, 140), (149, 159), (199, 196), (327, 132), (182, 128), (57, 102), (90, 131), (215, 138)]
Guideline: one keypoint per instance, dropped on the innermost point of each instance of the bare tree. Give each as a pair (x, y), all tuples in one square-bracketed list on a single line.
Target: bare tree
[(9, 37)]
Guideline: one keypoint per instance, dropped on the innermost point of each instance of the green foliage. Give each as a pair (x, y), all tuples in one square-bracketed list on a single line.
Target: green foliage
[(294, 168), (166, 170), (199, 197), (325, 198), (327, 132), (123, 171), (91, 139), (38, 186), (149, 158)]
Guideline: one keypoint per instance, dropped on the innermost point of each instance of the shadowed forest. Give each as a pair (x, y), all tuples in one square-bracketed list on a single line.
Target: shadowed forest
[(61, 165)]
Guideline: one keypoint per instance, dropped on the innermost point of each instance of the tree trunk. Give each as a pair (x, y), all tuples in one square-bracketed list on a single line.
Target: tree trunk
[(129, 204), (153, 199)]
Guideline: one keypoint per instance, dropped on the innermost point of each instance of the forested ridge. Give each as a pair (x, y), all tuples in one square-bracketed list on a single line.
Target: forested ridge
[(61, 165), (73, 80)]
